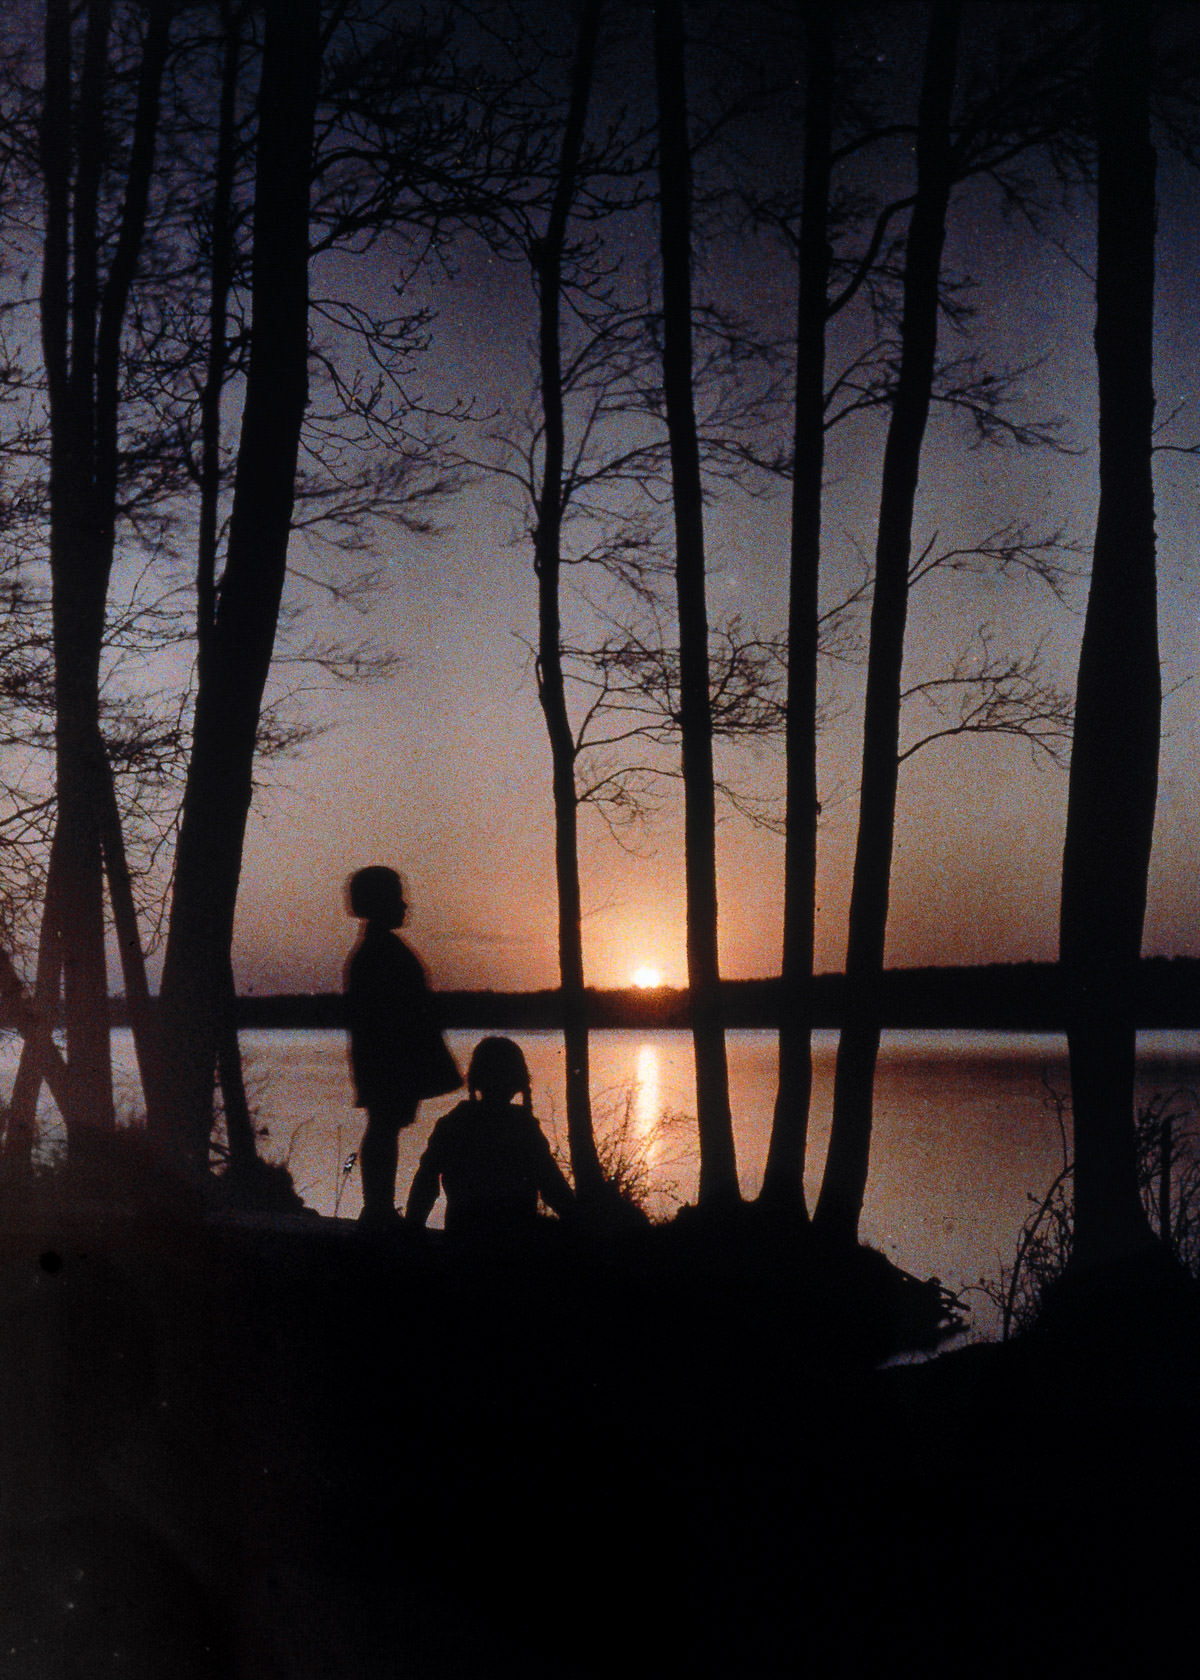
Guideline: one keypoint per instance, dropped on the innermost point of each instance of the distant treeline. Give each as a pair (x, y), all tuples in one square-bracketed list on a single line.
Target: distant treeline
[(1013, 996)]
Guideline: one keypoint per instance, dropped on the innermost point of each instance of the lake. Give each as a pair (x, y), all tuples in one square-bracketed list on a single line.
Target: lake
[(966, 1126)]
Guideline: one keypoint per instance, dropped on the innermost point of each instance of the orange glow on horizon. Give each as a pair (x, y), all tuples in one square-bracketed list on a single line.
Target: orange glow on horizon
[(645, 978)]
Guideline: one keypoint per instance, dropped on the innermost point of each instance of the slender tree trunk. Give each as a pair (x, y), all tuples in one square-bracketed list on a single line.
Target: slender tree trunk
[(82, 318), (1114, 763), (217, 367), (783, 1178), (142, 1024), (718, 1162), (229, 699), (27, 1086), (548, 256), (22, 1011), (239, 1124), (845, 1179), (78, 577)]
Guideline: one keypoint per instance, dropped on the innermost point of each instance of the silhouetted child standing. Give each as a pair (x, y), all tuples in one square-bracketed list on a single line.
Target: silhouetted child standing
[(489, 1154), (397, 1054)]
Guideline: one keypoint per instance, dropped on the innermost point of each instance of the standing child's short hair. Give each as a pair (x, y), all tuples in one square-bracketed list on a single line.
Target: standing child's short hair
[(376, 894)]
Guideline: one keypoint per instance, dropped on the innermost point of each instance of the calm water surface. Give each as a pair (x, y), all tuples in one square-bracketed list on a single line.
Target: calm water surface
[(965, 1123)]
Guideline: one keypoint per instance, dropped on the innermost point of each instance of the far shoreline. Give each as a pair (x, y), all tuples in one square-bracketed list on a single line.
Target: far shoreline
[(1005, 997)]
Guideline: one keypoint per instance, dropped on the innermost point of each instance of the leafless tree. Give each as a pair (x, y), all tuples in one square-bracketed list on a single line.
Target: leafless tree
[(718, 1162), (1005, 115), (1114, 763)]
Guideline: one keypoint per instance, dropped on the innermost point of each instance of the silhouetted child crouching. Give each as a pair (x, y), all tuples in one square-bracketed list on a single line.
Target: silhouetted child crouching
[(489, 1155)]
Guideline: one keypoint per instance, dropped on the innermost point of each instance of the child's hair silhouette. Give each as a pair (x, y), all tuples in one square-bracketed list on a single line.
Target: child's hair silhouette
[(377, 895), (489, 1155), (499, 1072)]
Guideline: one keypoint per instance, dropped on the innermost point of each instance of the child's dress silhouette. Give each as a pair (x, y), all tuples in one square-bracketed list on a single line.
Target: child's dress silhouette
[(397, 1054)]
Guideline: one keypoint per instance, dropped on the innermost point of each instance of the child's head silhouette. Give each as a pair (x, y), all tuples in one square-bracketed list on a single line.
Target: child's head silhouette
[(376, 895), (498, 1071)]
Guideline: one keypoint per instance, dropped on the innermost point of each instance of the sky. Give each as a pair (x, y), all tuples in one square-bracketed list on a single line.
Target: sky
[(443, 770)]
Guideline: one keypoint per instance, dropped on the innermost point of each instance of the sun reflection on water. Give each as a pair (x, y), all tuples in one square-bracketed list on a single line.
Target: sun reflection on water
[(647, 1092)]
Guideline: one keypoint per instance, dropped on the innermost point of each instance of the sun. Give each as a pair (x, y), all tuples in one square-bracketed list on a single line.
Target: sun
[(646, 978)]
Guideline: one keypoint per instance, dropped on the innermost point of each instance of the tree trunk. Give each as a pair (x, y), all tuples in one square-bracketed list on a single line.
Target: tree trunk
[(229, 698), (17, 1007), (239, 1123), (82, 321), (718, 1163), (142, 1024), (1114, 763), (77, 560), (22, 1121), (783, 1178), (22, 1109), (845, 1179), (548, 255), (216, 374)]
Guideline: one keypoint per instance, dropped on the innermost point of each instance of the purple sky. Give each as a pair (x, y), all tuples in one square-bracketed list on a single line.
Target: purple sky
[(444, 770)]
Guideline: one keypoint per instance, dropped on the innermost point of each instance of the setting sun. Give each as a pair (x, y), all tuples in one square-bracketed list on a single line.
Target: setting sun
[(646, 978)]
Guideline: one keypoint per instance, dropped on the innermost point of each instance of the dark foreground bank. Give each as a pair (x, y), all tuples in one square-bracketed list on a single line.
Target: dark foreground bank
[(278, 1448)]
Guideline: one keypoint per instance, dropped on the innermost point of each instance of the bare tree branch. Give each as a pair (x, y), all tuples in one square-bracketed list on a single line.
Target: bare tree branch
[(988, 693)]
